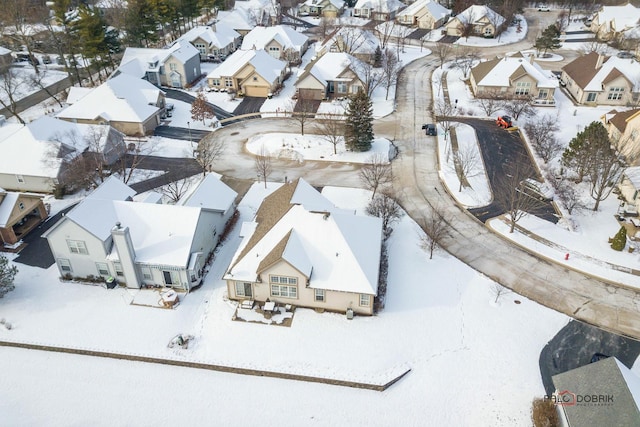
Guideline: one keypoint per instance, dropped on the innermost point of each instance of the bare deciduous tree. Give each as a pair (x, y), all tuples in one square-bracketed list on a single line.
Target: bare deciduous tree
[(498, 290), (435, 227), (391, 66), (38, 81), (371, 78), (331, 129), (566, 192), (594, 46), (519, 105), (262, 164), (490, 102), (326, 26), (132, 161), (466, 57), (210, 149), (385, 32), (385, 207), (12, 83), (303, 112), (443, 52), (376, 173), (467, 163), (541, 133), (177, 188), (445, 112)]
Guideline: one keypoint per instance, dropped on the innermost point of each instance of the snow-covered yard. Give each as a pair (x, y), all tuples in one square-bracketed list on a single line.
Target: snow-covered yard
[(453, 332)]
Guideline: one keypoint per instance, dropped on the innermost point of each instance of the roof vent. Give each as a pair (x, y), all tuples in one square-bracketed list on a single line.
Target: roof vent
[(118, 225)]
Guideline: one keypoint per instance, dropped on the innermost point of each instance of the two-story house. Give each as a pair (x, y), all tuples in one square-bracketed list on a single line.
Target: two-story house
[(213, 41), (378, 10), (476, 20), (611, 22), (595, 79), (356, 41), (281, 42), (141, 244), (324, 8), (301, 250), (427, 14)]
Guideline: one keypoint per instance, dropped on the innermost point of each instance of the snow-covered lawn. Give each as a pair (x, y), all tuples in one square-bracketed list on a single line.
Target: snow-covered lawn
[(452, 333), (299, 147), (511, 35), (21, 85)]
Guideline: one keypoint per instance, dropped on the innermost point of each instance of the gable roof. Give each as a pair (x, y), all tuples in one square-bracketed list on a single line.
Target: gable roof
[(219, 35), (436, 10), (474, 13), (382, 6), (329, 67), (136, 61), (619, 18), (264, 64), (338, 4), (620, 119), (286, 36), (238, 19), (606, 377), (500, 72), (633, 174), (586, 73), (42, 139), (8, 202), (298, 225), (123, 98), (211, 194), (362, 40)]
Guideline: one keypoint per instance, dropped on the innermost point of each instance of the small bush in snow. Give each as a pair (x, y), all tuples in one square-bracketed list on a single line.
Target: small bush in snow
[(619, 240)]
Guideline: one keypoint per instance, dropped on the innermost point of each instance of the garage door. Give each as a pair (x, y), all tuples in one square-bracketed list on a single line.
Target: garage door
[(259, 91)]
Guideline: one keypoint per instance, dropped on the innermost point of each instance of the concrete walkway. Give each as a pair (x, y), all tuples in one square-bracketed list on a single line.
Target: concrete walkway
[(418, 186)]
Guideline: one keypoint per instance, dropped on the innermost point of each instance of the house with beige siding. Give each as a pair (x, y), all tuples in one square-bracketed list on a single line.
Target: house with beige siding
[(427, 14), (514, 76), (301, 250), (378, 10), (281, 42), (481, 21), (19, 214), (33, 158), (141, 244), (131, 105), (595, 79), (213, 41), (356, 41), (249, 73), (324, 8), (612, 22), (624, 130), (330, 76)]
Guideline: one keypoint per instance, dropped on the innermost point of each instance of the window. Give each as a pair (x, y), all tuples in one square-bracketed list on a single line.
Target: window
[(173, 66), (65, 265), (523, 88), (215, 82), (21, 206), (591, 96), (255, 79), (103, 268), (365, 300), (201, 48), (118, 268), (284, 291), (543, 94), (319, 295), (228, 82), (342, 87), (615, 93), (77, 247), (243, 289), (171, 277), (146, 273), (356, 88), (283, 280), (20, 179)]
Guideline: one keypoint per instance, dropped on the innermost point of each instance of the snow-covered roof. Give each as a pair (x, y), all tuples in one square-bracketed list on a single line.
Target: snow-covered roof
[(112, 189), (123, 98), (4, 50), (111, 4), (338, 4), (359, 40), (137, 61), (238, 19), (476, 12), (211, 194), (8, 201), (619, 18), (633, 174), (630, 68), (183, 51), (42, 140), (286, 36), (330, 65), (264, 64), (338, 249), (76, 93), (383, 6), (219, 35), (500, 72), (435, 9)]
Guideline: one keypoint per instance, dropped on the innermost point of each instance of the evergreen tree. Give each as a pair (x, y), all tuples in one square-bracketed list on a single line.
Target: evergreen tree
[(96, 43), (7, 274), (359, 122), (67, 41), (583, 149), (619, 240), (549, 40), (141, 23)]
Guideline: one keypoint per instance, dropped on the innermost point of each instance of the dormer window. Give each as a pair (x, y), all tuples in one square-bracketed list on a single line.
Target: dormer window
[(153, 64)]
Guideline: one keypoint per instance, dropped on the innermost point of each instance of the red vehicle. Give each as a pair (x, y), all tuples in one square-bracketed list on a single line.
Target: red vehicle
[(504, 122)]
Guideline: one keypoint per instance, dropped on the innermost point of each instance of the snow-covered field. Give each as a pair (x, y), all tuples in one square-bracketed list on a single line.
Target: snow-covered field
[(299, 147), (455, 338)]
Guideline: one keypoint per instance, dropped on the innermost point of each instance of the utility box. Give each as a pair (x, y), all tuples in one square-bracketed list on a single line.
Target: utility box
[(349, 313)]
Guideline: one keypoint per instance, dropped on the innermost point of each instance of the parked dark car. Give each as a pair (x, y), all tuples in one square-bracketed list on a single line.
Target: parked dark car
[(429, 129), (598, 357), (625, 55)]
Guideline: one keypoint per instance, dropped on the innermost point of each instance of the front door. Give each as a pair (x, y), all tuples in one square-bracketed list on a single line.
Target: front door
[(247, 290), (167, 278)]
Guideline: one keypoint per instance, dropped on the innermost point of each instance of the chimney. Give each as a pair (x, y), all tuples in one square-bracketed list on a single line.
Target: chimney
[(600, 61), (126, 254)]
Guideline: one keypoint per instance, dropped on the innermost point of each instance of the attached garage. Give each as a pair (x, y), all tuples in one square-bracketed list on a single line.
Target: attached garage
[(257, 91), (315, 94)]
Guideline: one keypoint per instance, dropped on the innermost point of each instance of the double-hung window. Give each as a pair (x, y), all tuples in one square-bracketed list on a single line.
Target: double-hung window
[(283, 286), (77, 247), (523, 88), (615, 93), (365, 300)]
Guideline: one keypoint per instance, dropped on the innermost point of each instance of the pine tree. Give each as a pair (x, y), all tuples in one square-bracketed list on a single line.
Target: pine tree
[(141, 23), (359, 122), (549, 40), (583, 149), (7, 274), (619, 240)]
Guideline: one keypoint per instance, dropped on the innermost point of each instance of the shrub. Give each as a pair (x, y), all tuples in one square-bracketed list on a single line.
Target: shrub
[(543, 413), (619, 240)]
